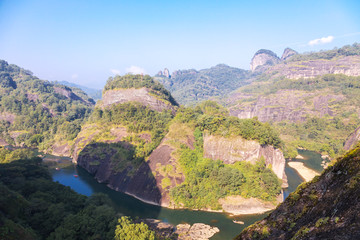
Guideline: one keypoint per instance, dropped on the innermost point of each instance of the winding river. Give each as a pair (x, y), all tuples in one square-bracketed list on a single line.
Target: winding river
[(129, 206)]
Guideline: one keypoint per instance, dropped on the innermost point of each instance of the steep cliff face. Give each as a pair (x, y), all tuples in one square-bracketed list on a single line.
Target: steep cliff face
[(141, 95), (349, 65), (326, 208), (352, 139), (291, 105), (149, 180), (231, 150), (138, 182), (263, 59)]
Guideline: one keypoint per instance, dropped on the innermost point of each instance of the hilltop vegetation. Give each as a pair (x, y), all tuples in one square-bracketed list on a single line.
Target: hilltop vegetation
[(140, 81), (36, 112), (138, 120), (348, 50)]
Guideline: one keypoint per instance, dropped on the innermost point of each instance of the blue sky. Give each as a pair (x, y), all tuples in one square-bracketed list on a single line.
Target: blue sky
[(87, 41)]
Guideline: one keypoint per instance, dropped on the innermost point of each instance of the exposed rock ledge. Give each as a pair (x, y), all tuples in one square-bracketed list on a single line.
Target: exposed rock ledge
[(197, 231), (306, 173), (141, 95), (238, 205), (234, 149)]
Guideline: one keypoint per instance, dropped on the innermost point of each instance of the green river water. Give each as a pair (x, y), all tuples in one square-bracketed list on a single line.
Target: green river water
[(129, 206)]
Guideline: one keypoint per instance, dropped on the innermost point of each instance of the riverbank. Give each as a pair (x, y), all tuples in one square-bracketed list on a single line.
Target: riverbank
[(306, 173)]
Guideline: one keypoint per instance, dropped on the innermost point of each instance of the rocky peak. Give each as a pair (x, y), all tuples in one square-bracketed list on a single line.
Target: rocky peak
[(288, 52), (165, 73), (263, 59)]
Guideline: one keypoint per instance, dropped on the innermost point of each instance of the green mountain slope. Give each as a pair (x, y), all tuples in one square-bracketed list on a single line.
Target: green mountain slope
[(93, 93), (190, 86), (37, 113)]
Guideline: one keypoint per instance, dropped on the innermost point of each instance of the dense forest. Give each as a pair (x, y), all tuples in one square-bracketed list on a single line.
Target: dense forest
[(36, 113), (43, 209)]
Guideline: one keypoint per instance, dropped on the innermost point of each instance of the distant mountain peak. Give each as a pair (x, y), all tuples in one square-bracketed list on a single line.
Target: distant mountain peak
[(263, 57), (288, 52), (165, 73)]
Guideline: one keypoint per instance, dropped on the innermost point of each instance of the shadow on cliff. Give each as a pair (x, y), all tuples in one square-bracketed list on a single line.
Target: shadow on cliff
[(132, 179)]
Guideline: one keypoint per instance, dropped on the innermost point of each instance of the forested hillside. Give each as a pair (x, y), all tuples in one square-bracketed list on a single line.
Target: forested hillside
[(32, 206), (132, 141), (37, 113), (92, 92), (190, 87)]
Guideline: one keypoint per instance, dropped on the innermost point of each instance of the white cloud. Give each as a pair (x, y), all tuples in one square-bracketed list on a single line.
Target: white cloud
[(322, 40), (74, 76), (115, 71), (135, 70)]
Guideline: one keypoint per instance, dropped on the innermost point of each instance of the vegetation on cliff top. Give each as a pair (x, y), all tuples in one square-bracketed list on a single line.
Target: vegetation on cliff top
[(348, 50), (140, 121), (36, 112), (325, 208), (208, 180), (140, 81), (214, 119)]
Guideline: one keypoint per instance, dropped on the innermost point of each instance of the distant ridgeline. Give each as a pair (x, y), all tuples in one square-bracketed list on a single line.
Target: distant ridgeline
[(190, 87), (138, 141), (37, 113), (313, 99), (93, 93)]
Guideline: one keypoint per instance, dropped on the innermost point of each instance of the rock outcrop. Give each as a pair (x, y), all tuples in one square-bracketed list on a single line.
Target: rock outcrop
[(352, 139), (349, 65), (238, 205), (8, 117), (263, 59), (140, 95), (197, 231), (68, 93), (234, 149), (291, 105), (288, 52), (165, 73), (326, 208)]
